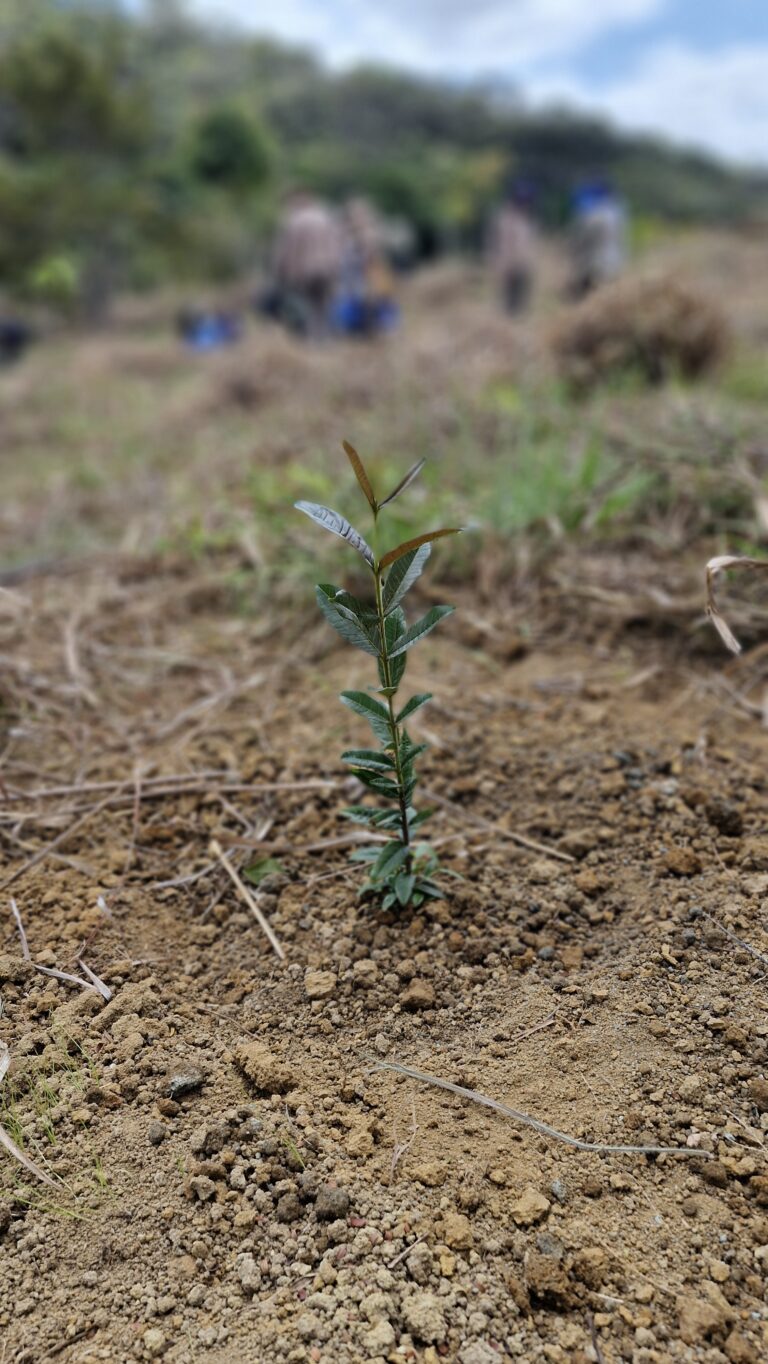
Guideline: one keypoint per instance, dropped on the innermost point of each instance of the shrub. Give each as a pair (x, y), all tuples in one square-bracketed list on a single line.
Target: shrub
[(230, 151), (654, 328)]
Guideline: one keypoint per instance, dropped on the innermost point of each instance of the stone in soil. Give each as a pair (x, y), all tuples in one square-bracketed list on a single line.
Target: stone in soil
[(681, 862), (288, 1208), (530, 1207), (457, 1231), (699, 1320), (740, 1350), (320, 984), (154, 1342), (380, 1339), (184, 1083), (424, 1317), (263, 1069), (546, 1279), (331, 1203), (420, 994), (758, 1093), (15, 970), (430, 1173)]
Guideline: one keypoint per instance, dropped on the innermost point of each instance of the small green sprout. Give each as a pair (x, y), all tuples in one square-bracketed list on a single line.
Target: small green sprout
[(400, 871), (100, 1176)]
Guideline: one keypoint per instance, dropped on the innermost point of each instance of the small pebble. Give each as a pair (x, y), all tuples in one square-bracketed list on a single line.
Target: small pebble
[(185, 1083)]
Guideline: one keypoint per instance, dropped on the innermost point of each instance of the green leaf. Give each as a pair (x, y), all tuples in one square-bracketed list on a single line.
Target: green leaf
[(389, 900), (388, 820), (393, 554), (360, 473), (427, 860), (259, 870), (420, 818), (414, 704), (337, 525), (376, 782), (343, 621), (371, 710), (397, 669), (409, 750), (421, 629), (362, 612), (403, 575), (368, 758), (429, 888), (394, 629), (361, 814), (390, 789), (404, 483), (404, 884), (392, 856)]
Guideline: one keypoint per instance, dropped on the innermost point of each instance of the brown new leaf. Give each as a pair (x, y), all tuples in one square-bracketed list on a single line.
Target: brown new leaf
[(408, 545), (405, 482), (360, 474)]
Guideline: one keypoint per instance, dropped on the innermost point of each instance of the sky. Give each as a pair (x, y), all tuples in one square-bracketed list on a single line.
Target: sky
[(695, 70)]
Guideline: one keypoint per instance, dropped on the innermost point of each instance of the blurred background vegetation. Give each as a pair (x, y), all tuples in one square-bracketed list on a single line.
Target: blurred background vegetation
[(139, 149)]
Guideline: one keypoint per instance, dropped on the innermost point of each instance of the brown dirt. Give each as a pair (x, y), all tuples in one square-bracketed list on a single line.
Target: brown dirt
[(298, 1204)]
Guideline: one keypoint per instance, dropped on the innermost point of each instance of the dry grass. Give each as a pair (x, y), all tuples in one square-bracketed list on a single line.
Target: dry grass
[(715, 567), (652, 326), (174, 473)]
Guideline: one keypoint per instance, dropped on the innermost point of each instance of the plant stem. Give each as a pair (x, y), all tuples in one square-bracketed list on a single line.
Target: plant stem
[(393, 726)]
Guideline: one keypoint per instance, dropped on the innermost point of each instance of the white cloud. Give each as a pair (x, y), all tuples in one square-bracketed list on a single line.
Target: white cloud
[(439, 36), (713, 100)]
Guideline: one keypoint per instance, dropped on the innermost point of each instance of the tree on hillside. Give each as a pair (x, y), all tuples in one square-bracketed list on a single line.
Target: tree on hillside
[(62, 96), (137, 144), (231, 151), (98, 187), (76, 129)]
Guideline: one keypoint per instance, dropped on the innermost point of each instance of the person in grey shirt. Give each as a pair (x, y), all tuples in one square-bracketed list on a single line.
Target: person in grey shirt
[(306, 263), (598, 237), (511, 248)]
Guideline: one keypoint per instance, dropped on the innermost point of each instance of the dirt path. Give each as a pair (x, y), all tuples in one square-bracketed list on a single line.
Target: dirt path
[(237, 1182)]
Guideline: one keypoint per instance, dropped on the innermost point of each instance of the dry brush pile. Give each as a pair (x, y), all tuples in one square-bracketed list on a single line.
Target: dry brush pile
[(652, 326)]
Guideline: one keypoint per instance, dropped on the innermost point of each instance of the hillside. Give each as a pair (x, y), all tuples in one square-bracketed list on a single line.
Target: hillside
[(133, 151)]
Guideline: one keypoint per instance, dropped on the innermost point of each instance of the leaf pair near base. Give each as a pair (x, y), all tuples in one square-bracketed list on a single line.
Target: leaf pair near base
[(400, 869)]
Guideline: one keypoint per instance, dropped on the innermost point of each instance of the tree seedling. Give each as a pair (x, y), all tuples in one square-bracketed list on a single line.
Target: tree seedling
[(400, 871)]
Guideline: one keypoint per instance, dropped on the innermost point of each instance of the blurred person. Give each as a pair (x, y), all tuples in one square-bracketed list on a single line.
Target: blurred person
[(512, 247), (15, 336), (307, 264), (203, 331), (598, 236), (365, 304), (398, 237)]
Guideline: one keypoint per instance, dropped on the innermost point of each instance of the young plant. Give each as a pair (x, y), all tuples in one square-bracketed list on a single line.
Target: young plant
[(400, 870)]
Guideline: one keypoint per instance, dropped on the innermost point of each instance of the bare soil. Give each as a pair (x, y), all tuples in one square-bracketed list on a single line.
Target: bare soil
[(235, 1180)]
